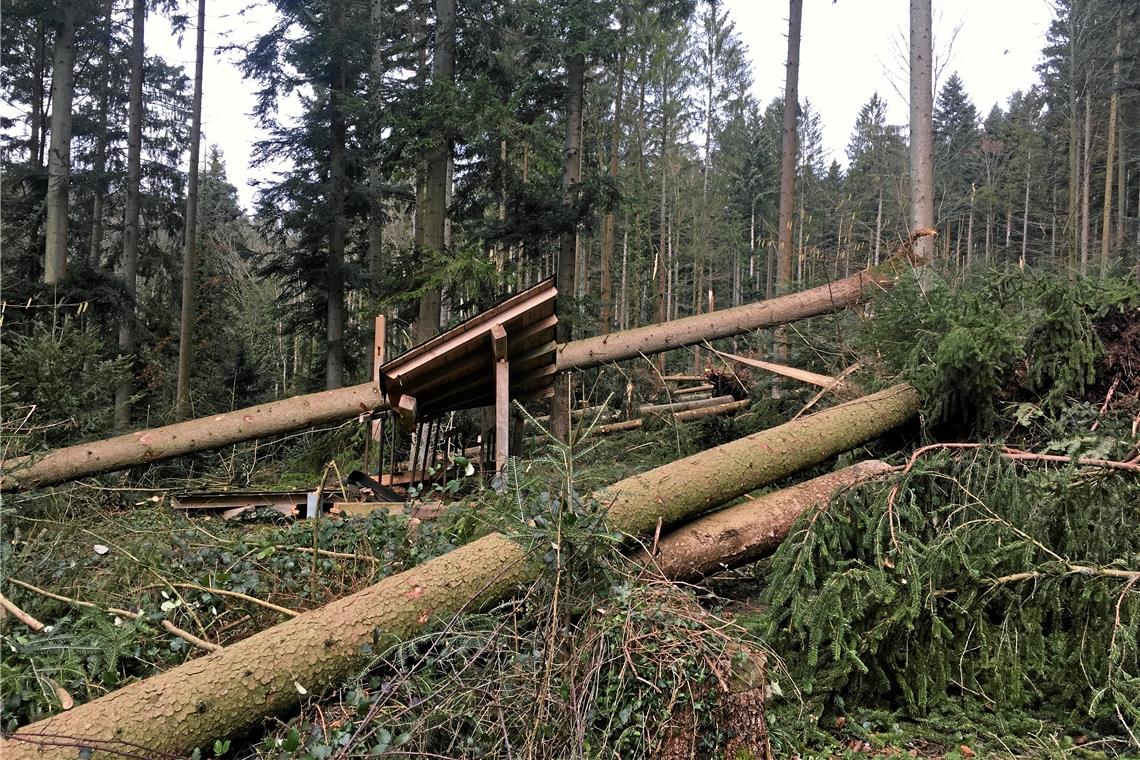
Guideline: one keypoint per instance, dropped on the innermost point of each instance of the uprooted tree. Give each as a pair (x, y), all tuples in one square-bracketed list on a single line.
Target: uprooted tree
[(234, 688)]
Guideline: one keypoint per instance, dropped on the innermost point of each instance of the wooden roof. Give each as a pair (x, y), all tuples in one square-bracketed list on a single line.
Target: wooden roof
[(455, 370)]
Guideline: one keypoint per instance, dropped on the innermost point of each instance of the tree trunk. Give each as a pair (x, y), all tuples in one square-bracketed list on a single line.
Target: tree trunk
[(435, 211), (921, 121), (190, 233), (788, 173), (203, 434), (130, 262), (568, 240), (233, 689), (1025, 214), (99, 168), (653, 339), (375, 178), (1072, 217), (1086, 182), (1113, 104), (59, 154), (608, 222), (338, 136), (750, 530)]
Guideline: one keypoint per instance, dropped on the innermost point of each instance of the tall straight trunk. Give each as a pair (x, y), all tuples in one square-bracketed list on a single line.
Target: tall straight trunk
[(1086, 182), (130, 262), (1113, 106), (1121, 187), (190, 232), (608, 222), (338, 135), (376, 71), (37, 117), (787, 174), (970, 228), (789, 151), (236, 688), (1025, 213), (568, 240), (59, 155), (921, 122), (878, 225), (623, 313), (1072, 217), (99, 168), (439, 155)]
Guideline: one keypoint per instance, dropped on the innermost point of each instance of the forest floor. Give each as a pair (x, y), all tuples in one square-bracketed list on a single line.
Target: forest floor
[(863, 659)]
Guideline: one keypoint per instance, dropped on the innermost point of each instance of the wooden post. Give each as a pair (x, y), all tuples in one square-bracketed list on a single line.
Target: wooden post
[(379, 336), (502, 398)]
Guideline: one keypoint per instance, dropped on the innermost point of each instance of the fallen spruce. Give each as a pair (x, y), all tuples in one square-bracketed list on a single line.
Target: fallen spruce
[(232, 690)]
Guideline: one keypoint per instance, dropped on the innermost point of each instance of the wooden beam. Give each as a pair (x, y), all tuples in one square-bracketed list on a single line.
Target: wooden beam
[(502, 398), (406, 407)]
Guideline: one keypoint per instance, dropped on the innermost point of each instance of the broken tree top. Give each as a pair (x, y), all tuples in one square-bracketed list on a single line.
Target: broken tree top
[(455, 370)]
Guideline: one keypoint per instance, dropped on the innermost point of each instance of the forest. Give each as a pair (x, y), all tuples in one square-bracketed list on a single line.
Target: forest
[(556, 397)]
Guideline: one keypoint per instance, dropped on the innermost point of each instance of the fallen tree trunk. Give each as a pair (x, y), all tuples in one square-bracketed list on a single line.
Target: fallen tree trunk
[(840, 386), (680, 406), (687, 331), (231, 690), (703, 388), (202, 434), (748, 531), (716, 410), (300, 412)]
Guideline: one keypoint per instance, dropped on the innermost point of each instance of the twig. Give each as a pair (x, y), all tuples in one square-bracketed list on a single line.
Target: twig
[(239, 595), (169, 626), (20, 615), (837, 381)]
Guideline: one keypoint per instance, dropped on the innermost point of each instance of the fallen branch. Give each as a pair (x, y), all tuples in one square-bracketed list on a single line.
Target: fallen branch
[(20, 615), (166, 624), (812, 378), (824, 391)]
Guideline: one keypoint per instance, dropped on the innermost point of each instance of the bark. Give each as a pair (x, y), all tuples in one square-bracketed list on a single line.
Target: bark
[(235, 688), (750, 530), (338, 136), (375, 176), (608, 222), (99, 169), (59, 154), (203, 434), (1025, 213), (1113, 107), (300, 412), (921, 121), (130, 262), (190, 233), (568, 240), (788, 173), (435, 211), (652, 339), (680, 406), (714, 410), (1086, 182)]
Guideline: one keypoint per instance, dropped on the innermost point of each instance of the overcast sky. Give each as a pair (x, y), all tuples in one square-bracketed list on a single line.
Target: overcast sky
[(849, 49)]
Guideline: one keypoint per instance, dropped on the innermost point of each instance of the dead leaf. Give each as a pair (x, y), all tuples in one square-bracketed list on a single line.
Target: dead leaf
[(966, 751)]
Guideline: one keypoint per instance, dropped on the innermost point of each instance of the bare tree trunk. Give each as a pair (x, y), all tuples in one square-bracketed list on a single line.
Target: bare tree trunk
[(338, 136), (1072, 218), (435, 213), (878, 225), (1086, 181), (1121, 187), (59, 155), (37, 117), (99, 167), (970, 228), (921, 123), (1025, 215), (376, 217), (235, 688), (748, 531), (190, 233), (788, 173), (130, 263), (1113, 105), (607, 285), (568, 240)]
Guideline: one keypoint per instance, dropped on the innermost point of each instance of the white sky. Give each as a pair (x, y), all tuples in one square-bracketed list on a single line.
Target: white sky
[(849, 49)]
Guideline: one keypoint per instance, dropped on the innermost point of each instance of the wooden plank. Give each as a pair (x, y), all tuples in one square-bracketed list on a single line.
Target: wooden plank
[(499, 342), (502, 402), (407, 408)]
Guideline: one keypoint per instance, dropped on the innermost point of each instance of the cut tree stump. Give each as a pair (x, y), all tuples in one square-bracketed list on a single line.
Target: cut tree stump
[(234, 689)]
